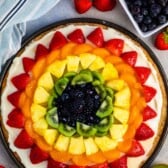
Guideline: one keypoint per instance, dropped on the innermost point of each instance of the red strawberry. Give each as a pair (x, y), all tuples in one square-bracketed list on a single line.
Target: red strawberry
[(102, 165), (104, 5), (144, 132), (57, 41), (41, 51), (16, 119), (74, 166), (77, 36), (28, 64), (82, 6), (130, 57), (37, 155), (14, 98), (161, 41), (136, 149), (23, 140), (119, 163), (115, 46), (2, 166), (149, 92), (54, 164), (143, 73), (20, 81), (148, 113), (96, 37)]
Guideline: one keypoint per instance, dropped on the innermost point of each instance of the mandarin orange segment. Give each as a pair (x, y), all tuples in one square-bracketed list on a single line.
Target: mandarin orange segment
[(102, 52), (130, 133), (141, 104), (125, 145), (112, 154), (135, 95), (30, 88), (82, 48), (42, 144), (26, 108), (124, 68), (80, 160), (60, 156), (29, 129), (54, 55), (138, 120), (113, 59), (128, 78), (97, 157), (134, 112), (67, 50), (22, 99), (39, 68)]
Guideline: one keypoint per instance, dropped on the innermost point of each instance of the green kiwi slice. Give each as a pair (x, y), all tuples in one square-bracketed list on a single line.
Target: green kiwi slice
[(52, 118), (97, 77), (100, 134), (160, 166), (85, 130), (70, 75), (61, 84), (105, 124), (106, 108), (110, 92), (66, 130), (84, 76)]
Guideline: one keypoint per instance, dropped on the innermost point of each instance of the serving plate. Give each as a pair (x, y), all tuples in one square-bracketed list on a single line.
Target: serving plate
[(79, 22)]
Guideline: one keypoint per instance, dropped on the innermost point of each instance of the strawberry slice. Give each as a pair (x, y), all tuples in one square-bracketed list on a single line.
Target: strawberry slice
[(149, 92), (16, 119), (119, 163), (104, 5), (130, 57), (2, 166), (20, 81), (82, 6), (23, 140), (142, 73), (74, 166), (57, 41), (144, 132), (37, 155), (77, 36), (115, 46), (14, 98), (136, 149), (101, 165), (148, 113), (41, 51), (96, 37), (28, 64), (54, 164)]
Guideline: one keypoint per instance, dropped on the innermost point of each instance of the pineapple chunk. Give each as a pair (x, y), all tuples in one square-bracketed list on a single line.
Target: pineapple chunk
[(76, 145), (109, 72), (37, 112), (62, 143), (86, 59), (121, 115), (41, 95), (97, 64), (57, 68), (50, 136), (46, 81), (40, 126), (105, 143), (116, 84), (72, 63), (118, 130), (123, 98), (90, 146)]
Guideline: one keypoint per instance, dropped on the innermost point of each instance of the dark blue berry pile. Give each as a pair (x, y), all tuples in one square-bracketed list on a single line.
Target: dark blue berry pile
[(149, 14), (78, 103)]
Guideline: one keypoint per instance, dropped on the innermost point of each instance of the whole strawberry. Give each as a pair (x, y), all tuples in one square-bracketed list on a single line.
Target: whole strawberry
[(161, 41), (82, 6), (104, 5)]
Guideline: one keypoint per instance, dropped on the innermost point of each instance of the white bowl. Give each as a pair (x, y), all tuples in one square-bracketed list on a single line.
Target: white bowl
[(143, 34)]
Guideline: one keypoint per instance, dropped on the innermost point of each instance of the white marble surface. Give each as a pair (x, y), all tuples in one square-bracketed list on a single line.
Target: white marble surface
[(65, 10)]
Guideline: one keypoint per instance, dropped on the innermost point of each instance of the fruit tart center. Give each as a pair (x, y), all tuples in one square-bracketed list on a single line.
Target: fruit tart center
[(78, 102)]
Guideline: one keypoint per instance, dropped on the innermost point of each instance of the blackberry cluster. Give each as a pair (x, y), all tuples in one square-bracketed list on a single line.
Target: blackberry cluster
[(78, 103), (149, 14)]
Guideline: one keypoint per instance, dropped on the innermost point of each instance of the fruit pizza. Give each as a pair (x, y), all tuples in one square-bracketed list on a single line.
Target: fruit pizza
[(83, 95)]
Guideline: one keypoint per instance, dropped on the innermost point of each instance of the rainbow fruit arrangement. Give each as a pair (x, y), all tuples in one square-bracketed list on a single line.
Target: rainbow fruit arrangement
[(82, 102)]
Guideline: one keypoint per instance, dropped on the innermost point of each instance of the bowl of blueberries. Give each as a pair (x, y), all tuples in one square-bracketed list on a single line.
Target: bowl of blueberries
[(147, 16)]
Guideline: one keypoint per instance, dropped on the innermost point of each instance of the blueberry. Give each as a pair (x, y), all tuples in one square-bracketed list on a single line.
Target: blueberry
[(165, 10), (144, 11), (161, 19), (138, 18), (147, 20), (152, 26), (135, 10), (162, 2), (144, 27), (151, 1), (65, 97), (138, 2), (155, 9)]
